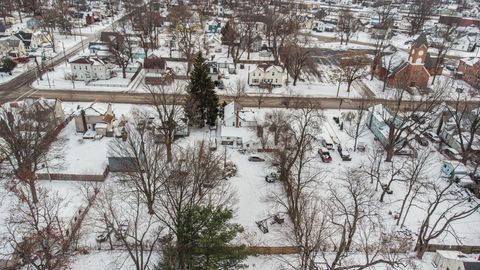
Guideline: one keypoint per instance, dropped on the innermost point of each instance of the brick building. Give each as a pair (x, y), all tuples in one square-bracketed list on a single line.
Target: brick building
[(470, 69), (412, 71)]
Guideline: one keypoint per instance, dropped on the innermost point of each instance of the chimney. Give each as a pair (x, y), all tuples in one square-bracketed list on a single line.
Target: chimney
[(84, 120)]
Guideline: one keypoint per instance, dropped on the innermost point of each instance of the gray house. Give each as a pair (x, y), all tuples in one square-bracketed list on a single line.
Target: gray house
[(376, 122)]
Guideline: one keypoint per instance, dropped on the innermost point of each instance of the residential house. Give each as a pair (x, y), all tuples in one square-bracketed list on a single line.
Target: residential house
[(48, 110), (234, 115), (33, 23), (26, 38), (454, 137), (213, 72), (377, 118), (466, 43), (14, 46), (156, 71), (213, 26), (90, 69), (470, 70), (412, 72), (95, 119), (265, 75), (237, 127), (455, 260), (51, 109), (100, 50)]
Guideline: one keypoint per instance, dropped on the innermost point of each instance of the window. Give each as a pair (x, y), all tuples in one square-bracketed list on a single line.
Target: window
[(239, 124), (233, 123), (276, 80), (413, 84), (273, 73), (85, 67)]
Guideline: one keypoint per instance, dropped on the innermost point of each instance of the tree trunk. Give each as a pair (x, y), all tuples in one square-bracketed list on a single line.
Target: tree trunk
[(390, 153), (349, 83), (168, 145), (33, 190), (420, 249), (124, 72)]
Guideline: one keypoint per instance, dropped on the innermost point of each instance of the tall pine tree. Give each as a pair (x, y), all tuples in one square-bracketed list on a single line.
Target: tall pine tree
[(202, 101)]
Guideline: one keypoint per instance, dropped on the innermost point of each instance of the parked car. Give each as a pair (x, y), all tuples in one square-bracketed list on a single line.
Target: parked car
[(432, 136), (421, 140), (451, 153), (361, 146), (344, 154), (327, 143), (255, 158), (272, 177), (406, 152), (325, 155)]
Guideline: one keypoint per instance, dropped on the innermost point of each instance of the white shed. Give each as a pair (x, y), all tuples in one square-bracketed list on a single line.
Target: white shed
[(455, 260)]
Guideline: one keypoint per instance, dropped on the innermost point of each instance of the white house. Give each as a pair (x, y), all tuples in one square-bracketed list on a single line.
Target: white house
[(266, 74), (454, 260), (465, 43), (90, 69), (235, 115)]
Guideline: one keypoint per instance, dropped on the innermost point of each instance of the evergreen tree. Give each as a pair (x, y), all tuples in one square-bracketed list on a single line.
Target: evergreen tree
[(8, 65), (203, 237), (202, 101)]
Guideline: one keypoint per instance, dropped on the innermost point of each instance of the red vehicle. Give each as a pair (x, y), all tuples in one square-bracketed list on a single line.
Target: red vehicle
[(325, 155)]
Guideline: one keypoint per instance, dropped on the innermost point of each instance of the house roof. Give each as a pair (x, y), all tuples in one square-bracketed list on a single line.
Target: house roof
[(11, 41), (25, 37), (267, 67), (154, 62), (421, 40), (82, 60), (471, 61), (430, 62)]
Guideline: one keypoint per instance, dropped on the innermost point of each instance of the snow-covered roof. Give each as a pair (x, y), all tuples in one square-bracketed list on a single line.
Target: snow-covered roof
[(471, 61), (233, 132), (456, 255)]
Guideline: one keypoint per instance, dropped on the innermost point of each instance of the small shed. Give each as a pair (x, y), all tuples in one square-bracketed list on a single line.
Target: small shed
[(455, 260)]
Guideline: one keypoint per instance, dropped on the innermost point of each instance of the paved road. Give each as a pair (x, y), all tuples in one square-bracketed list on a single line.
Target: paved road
[(248, 101)]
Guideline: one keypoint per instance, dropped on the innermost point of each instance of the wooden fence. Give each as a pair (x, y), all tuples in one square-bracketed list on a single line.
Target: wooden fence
[(74, 177)]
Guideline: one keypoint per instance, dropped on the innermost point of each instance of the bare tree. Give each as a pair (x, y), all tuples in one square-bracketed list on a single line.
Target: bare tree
[(466, 125), (120, 47), (184, 29), (167, 102), (146, 21), (353, 67), (419, 13), (347, 26), (37, 234), (238, 90), (402, 123), (293, 156), (277, 122), (414, 178), (446, 34), (444, 205), (356, 122), (143, 160), (381, 31), (312, 234), (27, 134), (296, 59), (353, 216), (135, 229), (49, 20), (195, 178), (280, 26)]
